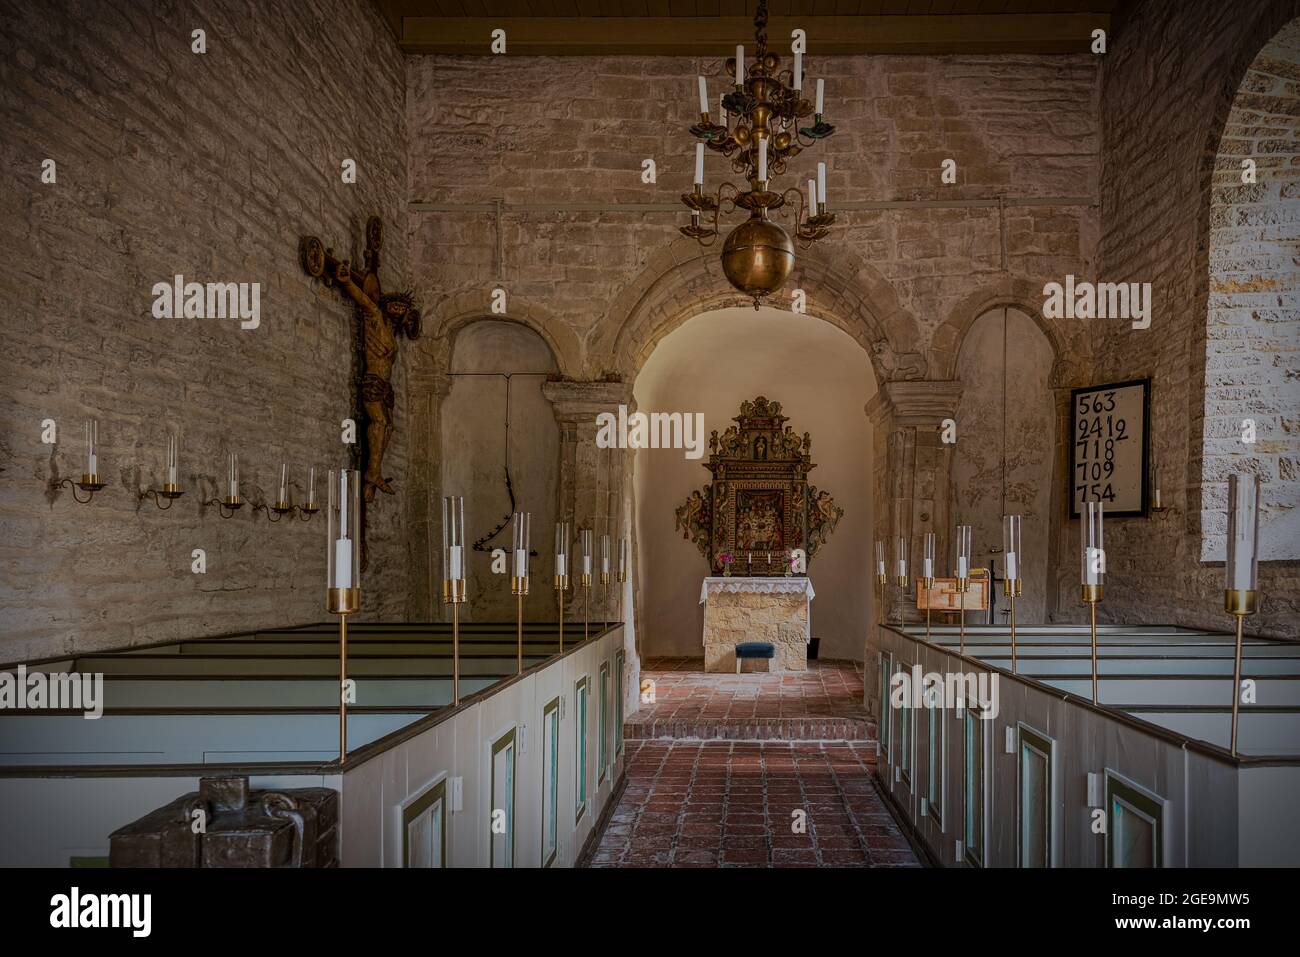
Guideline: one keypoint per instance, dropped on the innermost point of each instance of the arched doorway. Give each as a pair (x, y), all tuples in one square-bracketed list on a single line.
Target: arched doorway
[(1252, 368), (710, 364)]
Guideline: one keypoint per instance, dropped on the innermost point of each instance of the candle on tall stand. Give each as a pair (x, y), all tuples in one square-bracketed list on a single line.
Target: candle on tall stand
[(1012, 553), (1241, 571), (1093, 574), (927, 576), (901, 545), (584, 540), (519, 578), (622, 571), (561, 570), (963, 581), (882, 579), (343, 566), (604, 577), (453, 582)]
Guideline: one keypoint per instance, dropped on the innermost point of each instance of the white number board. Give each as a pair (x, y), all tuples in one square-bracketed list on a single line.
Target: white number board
[(1109, 447)]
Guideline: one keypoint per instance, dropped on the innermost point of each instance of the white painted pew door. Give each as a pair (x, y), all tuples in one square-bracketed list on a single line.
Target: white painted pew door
[(502, 814), (550, 782)]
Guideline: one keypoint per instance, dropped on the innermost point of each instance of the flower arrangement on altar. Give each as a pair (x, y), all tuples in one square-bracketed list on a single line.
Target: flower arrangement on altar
[(726, 558)]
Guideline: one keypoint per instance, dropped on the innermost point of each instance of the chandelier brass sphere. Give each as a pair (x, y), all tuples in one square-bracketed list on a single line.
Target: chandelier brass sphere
[(757, 257), (759, 131)]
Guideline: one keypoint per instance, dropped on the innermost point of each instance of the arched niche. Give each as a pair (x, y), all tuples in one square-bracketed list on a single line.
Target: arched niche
[(495, 370), (1003, 460), (1252, 326)]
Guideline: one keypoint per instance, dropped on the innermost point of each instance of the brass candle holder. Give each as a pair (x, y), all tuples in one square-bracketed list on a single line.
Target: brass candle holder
[(1093, 574), (1241, 572), (963, 582), (343, 575), (168, 493), (232, 502), (519, 578), (584, 580), (901, 545), (453, 582), (1011, 573), (604, 580), (90, 482), (927, 576), (622, 572), (561, 571)]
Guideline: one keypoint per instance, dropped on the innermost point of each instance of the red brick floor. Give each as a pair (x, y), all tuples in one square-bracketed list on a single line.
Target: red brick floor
[(731, 804), (823, 703)]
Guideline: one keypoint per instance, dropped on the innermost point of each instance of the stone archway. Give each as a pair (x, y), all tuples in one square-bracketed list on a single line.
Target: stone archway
[(683, 280)]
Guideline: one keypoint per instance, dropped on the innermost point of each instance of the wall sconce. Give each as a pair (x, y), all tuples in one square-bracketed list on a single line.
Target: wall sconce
[(310, 508), (1157, 506), (232, 502), (170, 490), (90, 478), (282, 504)]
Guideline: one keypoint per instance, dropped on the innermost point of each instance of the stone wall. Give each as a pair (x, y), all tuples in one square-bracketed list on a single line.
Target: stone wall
[(211, 166), (1169, 83)]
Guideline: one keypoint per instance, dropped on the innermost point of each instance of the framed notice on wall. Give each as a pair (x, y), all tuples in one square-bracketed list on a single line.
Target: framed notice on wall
[(1109, 448)]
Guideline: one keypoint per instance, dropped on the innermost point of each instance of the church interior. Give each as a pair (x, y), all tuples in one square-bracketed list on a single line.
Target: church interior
[(650, 434)]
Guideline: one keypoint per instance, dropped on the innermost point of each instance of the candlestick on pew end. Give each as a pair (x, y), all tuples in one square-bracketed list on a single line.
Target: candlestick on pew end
[(1011, 549), (519, 580), (1241, 572), (561, 570), (1093, 574), (963, 581), (927, 576), (343, 580), (453, 582)]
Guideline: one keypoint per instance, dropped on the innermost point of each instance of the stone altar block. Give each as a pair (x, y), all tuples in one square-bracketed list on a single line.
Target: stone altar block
[(776, 610)]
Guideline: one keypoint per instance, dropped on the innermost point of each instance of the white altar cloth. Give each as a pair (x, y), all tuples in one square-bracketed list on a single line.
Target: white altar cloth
[(763, 585)]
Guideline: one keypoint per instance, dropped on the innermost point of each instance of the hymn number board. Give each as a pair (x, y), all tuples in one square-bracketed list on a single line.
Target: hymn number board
[(1109, 447)]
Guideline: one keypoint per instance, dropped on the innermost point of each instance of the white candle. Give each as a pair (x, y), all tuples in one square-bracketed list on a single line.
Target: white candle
[(234, 475), (521, 563), (560, 565), (1096, 559), (928, 567), (812, 197), (284, 482), (92, 437), (1012, 566), (902, 568), (740, 65), (821, 95), (798, 70), (821, 182), (704, 96), (171, 460), (962, 569), (880, 568), (311, 487), (699, 164), (343, 563), (456, 571), (586, 564), (762, 160)]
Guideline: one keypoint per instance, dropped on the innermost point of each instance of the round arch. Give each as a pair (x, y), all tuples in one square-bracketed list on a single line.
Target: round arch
[(1014, 293), (683, 280), (457, 312)]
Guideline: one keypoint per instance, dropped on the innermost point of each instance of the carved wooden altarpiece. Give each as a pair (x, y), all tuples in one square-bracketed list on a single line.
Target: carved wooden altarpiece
[(759, 505)]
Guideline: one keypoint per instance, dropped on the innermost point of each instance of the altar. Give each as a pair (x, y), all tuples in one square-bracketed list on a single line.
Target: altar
[(777, 610)]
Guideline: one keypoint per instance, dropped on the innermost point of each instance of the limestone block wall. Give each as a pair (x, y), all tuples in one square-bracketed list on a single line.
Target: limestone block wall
[(779, 619), (211, 166), (1168, 87)]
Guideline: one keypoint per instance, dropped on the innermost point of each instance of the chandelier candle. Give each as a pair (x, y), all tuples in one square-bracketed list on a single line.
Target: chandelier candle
[(704, 98), (1011, 549), (821, 98), (1093, 573), (1241, 570), (772, 125), (699, 167), (963, 580), (342, 582)]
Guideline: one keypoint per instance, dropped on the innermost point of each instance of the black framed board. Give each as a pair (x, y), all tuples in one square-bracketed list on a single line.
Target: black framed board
[(1110, 447)]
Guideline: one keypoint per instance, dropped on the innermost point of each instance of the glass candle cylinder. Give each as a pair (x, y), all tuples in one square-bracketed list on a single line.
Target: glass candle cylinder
[(92, 449), (561, 554), (1156, 493), (901, 545), (172, 455), (1093, 551), (453, 548), (963, 557), (311, 487), (1011, 546), (927, 559), (343, 587), (585, 542), (232, 479), (622, 559), (1241, 571), (604, 557), (882, 573), (521, 520), (284, 484)]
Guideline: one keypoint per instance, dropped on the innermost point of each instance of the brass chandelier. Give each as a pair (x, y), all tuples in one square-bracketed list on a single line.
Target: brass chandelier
[(766, 105)]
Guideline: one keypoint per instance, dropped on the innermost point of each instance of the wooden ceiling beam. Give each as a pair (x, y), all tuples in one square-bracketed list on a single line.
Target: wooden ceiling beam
[(1050, 33)]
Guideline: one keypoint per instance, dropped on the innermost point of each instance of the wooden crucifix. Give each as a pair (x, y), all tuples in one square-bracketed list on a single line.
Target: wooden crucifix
[(382, 317)]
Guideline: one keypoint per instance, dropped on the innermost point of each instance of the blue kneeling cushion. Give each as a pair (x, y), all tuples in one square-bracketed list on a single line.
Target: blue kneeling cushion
[(755, 649)]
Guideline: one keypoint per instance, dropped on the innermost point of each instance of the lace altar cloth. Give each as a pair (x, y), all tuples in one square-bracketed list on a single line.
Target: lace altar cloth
[(716, 584)]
